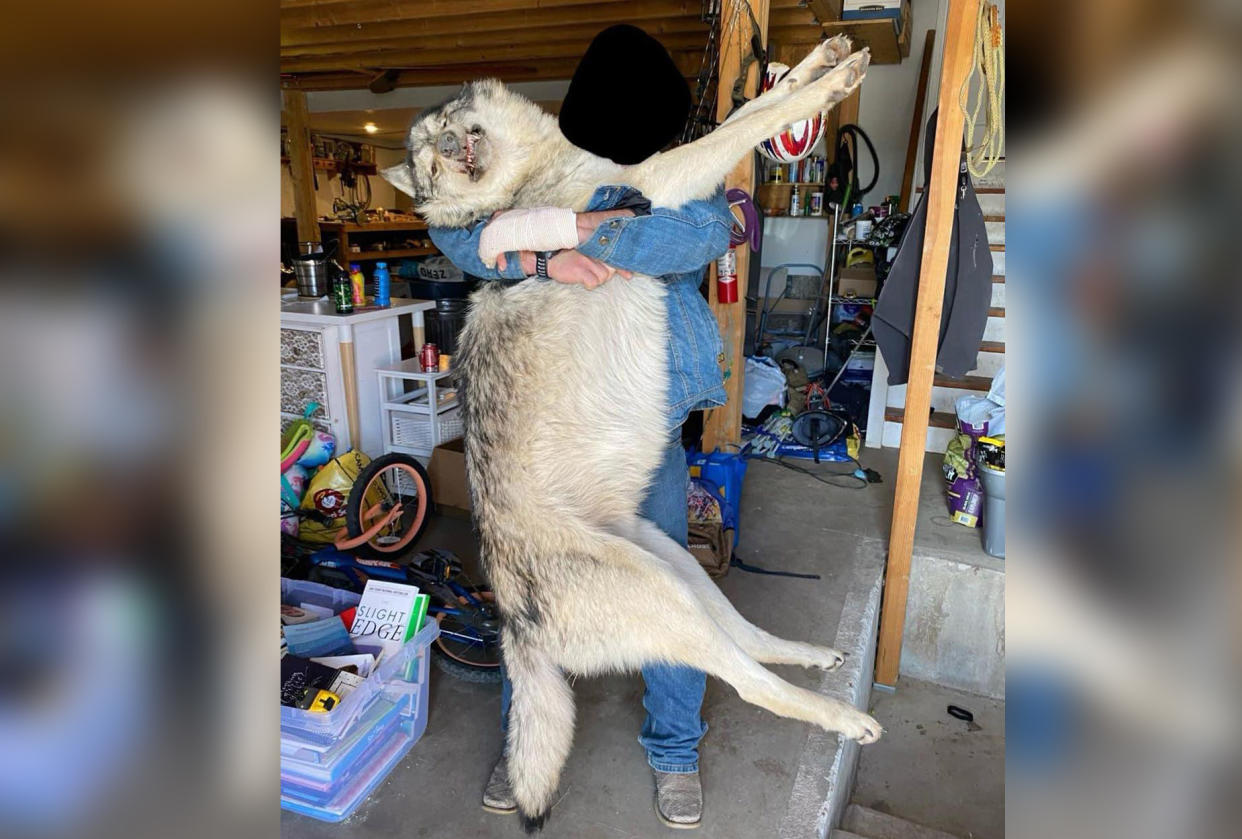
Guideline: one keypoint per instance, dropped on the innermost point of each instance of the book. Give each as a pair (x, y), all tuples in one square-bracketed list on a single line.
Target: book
[(301, 678), (386, 615), (290, 615), (361, 664)]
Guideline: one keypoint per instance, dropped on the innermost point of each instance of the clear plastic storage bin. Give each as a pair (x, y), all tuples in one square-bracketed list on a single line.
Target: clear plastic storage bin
[(330, 762)]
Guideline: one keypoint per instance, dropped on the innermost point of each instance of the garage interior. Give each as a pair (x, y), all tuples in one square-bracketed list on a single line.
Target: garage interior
[(905, 589)]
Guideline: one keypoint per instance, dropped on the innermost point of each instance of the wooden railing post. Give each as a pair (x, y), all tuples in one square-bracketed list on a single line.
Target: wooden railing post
[(723, 426), (958, 51)]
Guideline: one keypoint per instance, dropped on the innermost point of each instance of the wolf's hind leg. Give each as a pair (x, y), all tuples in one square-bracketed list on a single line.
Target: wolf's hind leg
[(758, 643), (679, 629), (540, 731)]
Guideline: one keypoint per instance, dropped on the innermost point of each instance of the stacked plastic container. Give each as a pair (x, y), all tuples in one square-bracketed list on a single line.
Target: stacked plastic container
[(330, 762)]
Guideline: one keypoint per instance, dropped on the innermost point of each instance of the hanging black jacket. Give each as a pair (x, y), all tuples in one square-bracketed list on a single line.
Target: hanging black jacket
[(967, 288)]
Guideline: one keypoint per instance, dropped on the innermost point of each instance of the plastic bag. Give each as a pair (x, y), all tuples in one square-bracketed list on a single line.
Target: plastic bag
[(979, 416), (763, 385), (328, 493)]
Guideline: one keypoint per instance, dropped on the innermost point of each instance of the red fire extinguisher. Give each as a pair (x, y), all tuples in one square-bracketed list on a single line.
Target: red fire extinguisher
[(726, 276), (745, 232)]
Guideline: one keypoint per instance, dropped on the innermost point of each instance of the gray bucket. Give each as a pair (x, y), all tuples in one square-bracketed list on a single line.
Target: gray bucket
[(993, 509)]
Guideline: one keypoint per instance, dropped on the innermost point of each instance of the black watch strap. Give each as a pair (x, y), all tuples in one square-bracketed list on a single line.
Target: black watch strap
[(541, 264)]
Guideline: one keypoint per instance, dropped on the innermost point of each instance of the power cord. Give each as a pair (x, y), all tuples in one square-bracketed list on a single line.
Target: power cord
[(860, 478)]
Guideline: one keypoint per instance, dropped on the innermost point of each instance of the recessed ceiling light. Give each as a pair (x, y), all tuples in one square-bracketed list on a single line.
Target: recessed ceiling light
[(370, 128)]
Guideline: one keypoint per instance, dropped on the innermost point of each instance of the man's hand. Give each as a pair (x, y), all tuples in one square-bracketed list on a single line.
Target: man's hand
[(588, 222)]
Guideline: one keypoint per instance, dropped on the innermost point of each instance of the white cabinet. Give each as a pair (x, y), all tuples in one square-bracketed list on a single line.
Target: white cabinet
[(331, 359)]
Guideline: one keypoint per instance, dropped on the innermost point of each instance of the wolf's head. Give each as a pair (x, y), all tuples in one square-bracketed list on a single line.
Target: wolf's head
[(466, 157)]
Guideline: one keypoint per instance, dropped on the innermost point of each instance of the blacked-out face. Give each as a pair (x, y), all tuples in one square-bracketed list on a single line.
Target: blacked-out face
[(448, 152)]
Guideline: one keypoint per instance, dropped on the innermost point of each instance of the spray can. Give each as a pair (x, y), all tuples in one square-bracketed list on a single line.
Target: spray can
[(357, 283), (795, 202), (383, 283)]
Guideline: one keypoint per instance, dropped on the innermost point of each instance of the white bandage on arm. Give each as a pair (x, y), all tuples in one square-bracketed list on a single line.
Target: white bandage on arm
[(540, 229)]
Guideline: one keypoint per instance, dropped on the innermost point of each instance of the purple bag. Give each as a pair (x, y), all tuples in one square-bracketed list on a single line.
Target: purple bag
[(965, 500)]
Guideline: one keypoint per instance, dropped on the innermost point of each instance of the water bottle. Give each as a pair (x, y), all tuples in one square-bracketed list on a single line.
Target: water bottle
[(382, 284)]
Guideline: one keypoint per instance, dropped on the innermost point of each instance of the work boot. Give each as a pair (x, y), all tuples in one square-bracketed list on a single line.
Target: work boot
[(498, 794), (679, 799)]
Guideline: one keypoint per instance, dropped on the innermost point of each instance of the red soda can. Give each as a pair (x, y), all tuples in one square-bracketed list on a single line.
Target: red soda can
[(429, 358)]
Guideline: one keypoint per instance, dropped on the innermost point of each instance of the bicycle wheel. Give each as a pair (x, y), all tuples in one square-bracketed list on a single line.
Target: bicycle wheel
[(468, 647), (385, 482)]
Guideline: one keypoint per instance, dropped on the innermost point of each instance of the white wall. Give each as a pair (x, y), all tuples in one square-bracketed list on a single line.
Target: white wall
[(382, 192), (887, 102)]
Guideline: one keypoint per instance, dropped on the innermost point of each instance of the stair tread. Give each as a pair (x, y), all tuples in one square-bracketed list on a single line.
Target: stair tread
[(870, 823), (992, 346), (996, 311), (938, 419), (998, 278), (982, 383), (844, 834), (996, 246)]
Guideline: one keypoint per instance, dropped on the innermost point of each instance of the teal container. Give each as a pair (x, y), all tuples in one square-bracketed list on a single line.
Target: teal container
[(383, 284)]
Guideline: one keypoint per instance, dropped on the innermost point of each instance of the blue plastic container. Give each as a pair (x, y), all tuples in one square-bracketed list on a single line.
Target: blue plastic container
[(330, 762), (383, 284), (724, 473)]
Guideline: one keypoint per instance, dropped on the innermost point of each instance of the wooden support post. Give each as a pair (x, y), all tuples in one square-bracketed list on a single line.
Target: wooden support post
[(723, 426), (301, 166), (916, 122), (958, 51)]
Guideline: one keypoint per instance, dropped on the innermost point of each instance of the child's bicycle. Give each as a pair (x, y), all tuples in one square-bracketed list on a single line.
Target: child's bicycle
[(469, 643), (386, 510)]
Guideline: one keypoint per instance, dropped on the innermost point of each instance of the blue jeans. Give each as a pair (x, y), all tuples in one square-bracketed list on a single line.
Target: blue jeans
[(674, 694)]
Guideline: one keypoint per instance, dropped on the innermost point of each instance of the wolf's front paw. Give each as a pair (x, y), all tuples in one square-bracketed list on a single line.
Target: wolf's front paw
[(861, 727)]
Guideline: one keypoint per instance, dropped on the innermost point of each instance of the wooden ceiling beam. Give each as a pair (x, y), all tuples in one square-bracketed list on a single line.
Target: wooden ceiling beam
[(456, 55), (467, 40), (654, 16), (372, 11), (297, 24), (599, 13), (562, 68)]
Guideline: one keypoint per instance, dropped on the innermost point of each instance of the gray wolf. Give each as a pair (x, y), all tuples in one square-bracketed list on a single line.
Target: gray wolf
[(563, 394)]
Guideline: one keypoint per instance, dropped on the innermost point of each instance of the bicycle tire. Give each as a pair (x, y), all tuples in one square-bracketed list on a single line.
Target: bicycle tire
[(464, 672), (354, 507), (460, 668)]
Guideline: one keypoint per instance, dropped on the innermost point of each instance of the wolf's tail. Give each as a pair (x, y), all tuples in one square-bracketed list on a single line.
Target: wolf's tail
[(541, 730)]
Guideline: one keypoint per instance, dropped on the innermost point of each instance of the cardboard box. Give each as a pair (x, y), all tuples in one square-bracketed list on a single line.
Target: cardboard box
[(857, 281), (449, 487)]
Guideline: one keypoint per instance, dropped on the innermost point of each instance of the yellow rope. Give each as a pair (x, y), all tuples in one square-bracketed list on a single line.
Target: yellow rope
[(989, 62)]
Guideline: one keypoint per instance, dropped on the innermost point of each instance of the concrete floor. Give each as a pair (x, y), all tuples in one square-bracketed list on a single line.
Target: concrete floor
[(749, 757), (933, 769)]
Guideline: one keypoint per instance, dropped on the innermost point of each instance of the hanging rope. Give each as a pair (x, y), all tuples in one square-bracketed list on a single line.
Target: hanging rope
[(989, 63)]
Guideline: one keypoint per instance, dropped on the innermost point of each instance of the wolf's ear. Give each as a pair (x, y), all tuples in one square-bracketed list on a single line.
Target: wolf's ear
[(400, 177)]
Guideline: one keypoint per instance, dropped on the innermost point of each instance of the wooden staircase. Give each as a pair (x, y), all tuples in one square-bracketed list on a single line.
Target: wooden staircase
[(888, 403)]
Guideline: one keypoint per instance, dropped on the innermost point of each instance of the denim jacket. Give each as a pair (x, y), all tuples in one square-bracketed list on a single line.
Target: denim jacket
[(674, 245)]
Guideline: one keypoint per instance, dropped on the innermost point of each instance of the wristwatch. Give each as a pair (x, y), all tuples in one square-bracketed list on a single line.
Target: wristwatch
[(541, 264)]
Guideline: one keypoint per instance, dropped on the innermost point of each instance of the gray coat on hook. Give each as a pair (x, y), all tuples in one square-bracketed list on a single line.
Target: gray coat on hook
[(967, 288)]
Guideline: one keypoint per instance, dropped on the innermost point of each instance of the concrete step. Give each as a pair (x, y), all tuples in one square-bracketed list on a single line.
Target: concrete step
[(873, 824), (844, 834)]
